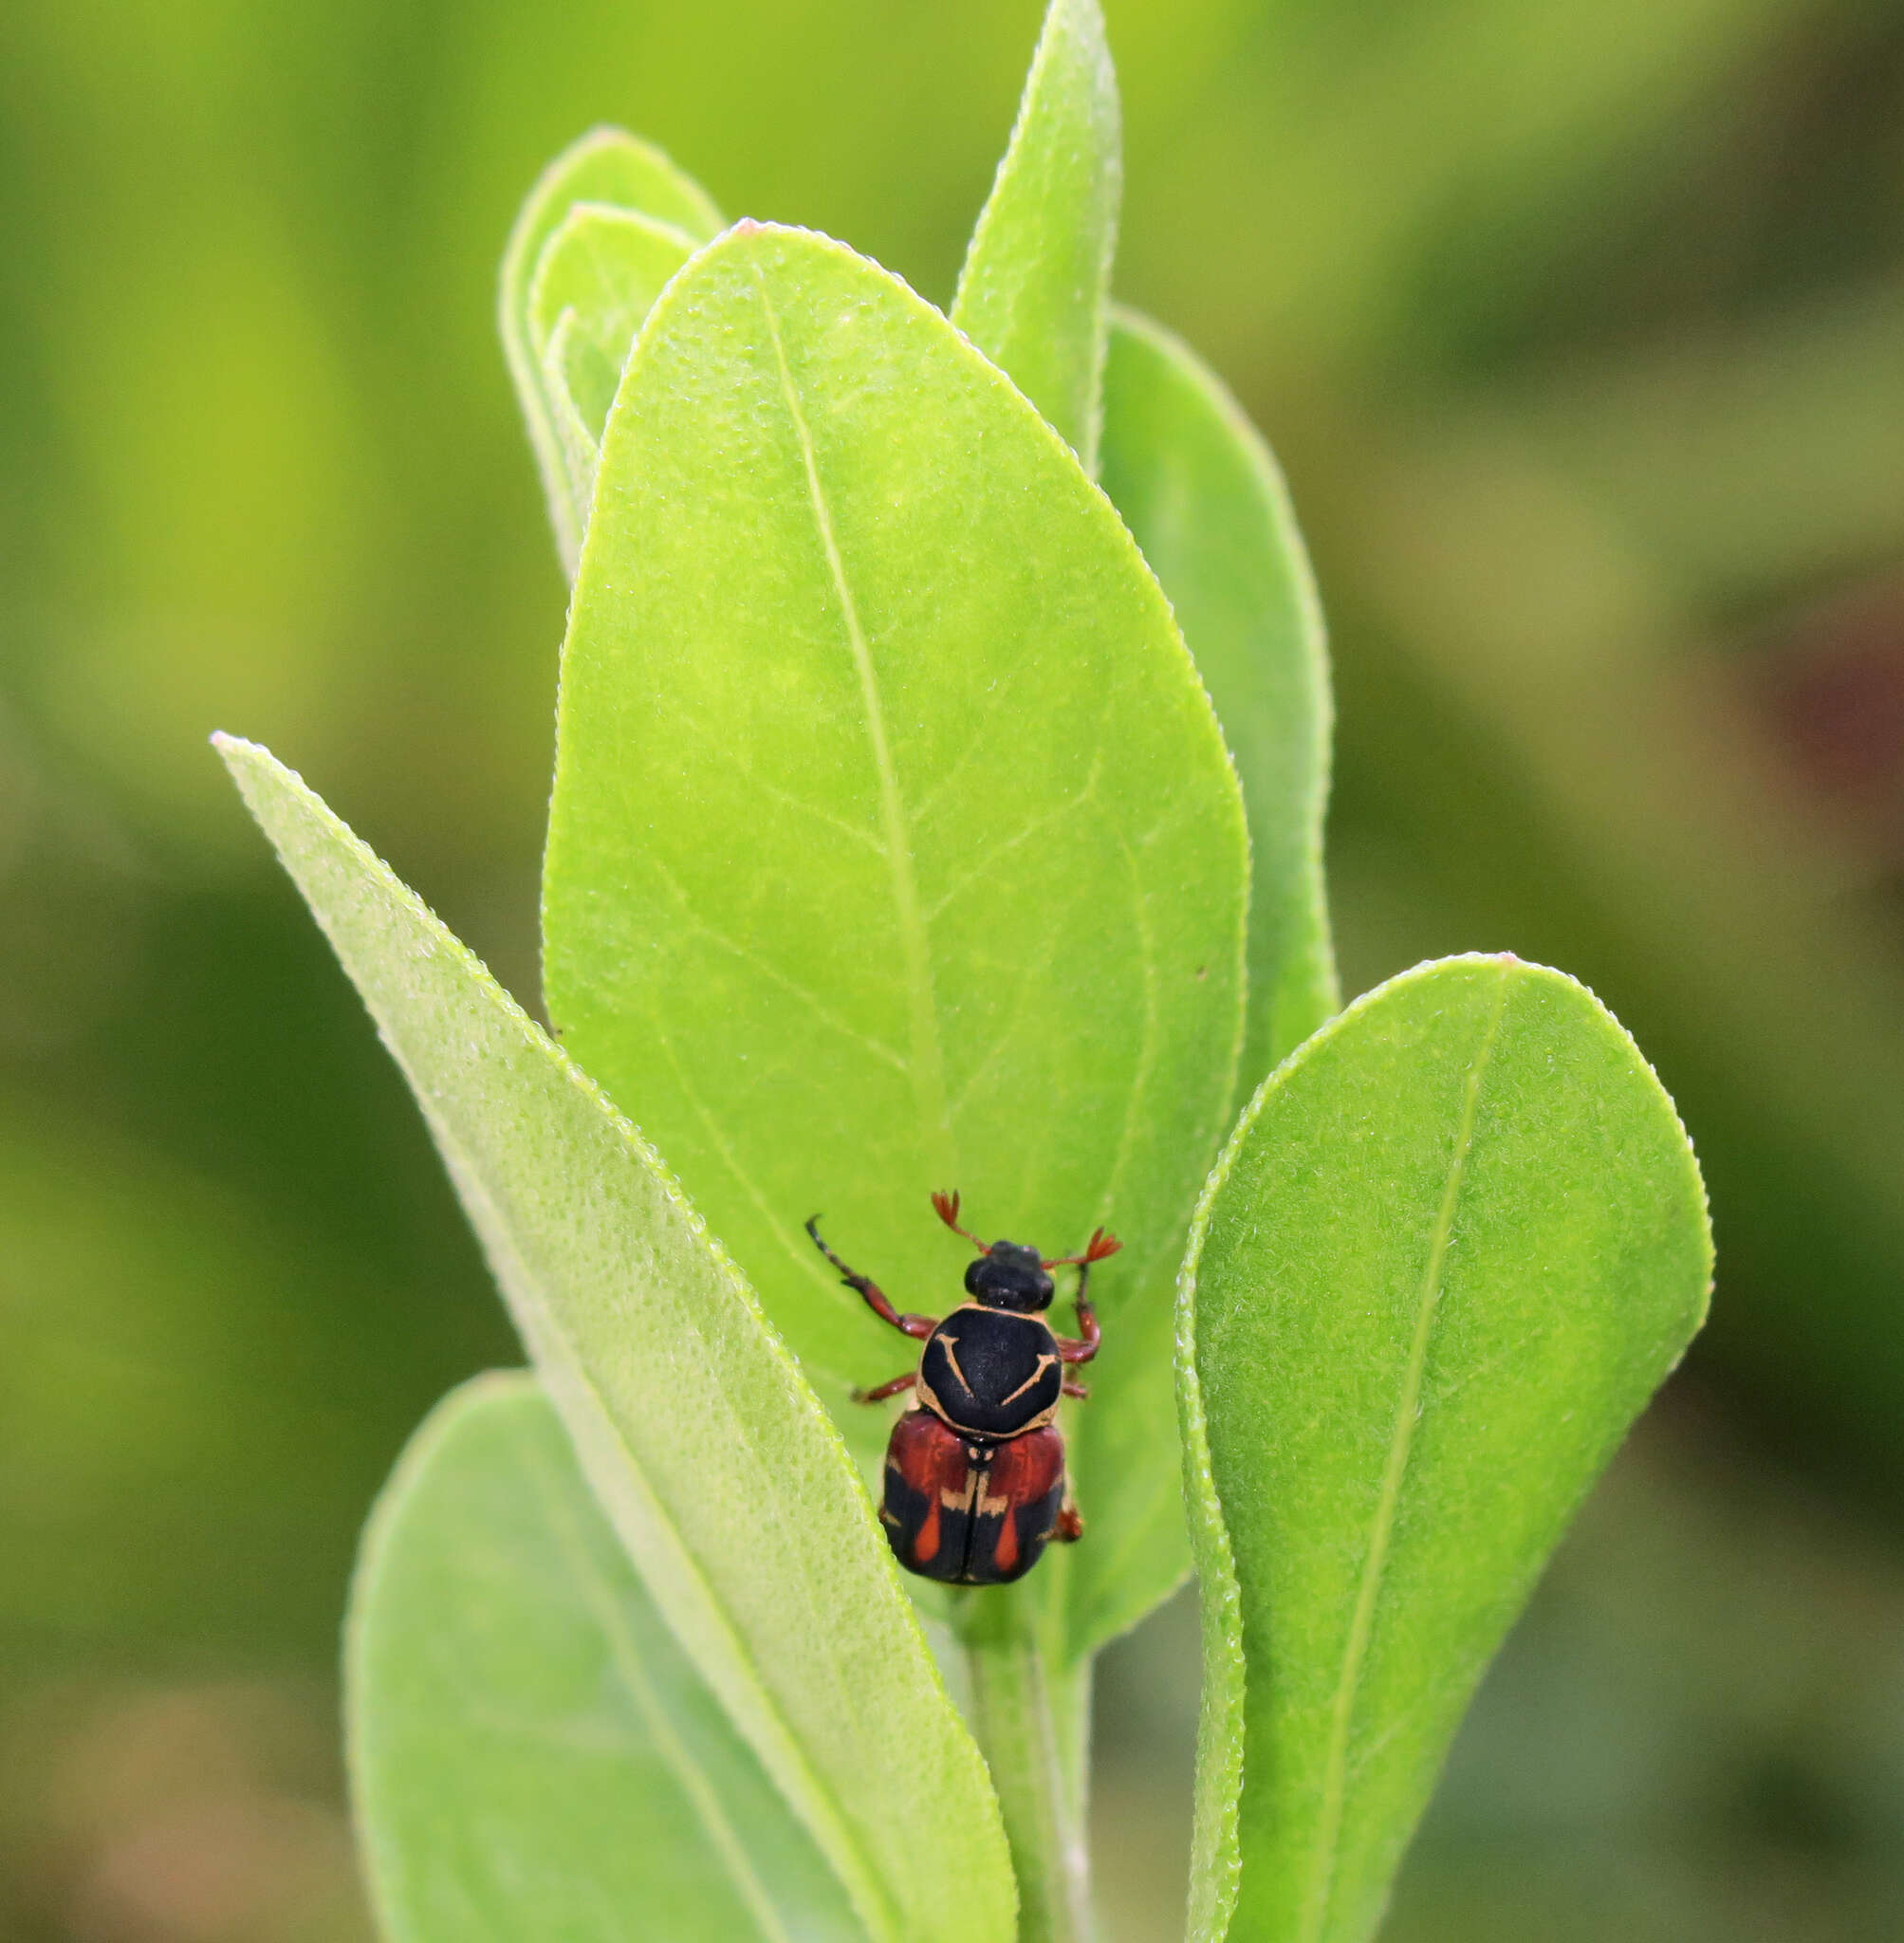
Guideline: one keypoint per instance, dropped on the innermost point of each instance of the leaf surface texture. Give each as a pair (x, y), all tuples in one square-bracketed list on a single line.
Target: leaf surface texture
[(716, 1465), (894, 843), (1454, 1246), (532, 1753)]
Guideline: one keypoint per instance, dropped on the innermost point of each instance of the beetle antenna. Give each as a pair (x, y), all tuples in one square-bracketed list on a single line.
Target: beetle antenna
[(947, 1208), (1096, 1249)]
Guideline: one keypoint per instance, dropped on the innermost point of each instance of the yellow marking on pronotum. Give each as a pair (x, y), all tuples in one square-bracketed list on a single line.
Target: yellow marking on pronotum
[(945, 1343), (1044, 1362)]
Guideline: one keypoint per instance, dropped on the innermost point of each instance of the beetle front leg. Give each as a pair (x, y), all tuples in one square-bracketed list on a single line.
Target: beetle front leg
[(1084, 1346), (885, 1390), (1074, 1388), (918, 1326)]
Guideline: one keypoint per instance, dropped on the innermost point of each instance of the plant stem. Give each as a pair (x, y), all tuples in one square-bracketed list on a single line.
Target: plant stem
[(1032, 1718)]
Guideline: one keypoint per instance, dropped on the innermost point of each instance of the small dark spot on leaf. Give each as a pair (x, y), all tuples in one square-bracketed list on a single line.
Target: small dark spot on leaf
[(1203, 971)]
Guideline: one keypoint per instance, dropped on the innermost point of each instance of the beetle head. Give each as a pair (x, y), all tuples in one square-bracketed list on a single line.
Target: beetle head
[(1008, 1276)]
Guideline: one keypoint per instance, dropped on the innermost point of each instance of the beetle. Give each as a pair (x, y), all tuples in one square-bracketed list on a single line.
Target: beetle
[(974, 1479)]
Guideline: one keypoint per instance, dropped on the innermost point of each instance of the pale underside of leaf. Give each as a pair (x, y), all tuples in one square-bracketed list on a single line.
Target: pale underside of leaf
[(605, 166), (595, 280), (713, 1460), (1034, 293), (531, 1752), (1452, 1249), (581, 448), (894, 844), (608, 264)]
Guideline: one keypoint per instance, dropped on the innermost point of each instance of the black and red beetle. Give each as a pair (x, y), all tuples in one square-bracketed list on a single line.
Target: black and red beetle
[(975, 1468)]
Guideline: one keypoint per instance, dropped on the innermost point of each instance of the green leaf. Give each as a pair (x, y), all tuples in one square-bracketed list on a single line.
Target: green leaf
[(604, 167), (1204, 500), (595, 280), (532, 1754), (1454, 1246), (715, 1463), (1034, 294), (894, 844)]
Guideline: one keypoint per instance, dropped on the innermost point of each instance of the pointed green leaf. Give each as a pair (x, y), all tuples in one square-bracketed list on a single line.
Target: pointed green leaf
[(894, 844), (532, 1755), (1206, 502), (1034, 294), (595, 280), (713, 1461), (1454, 1246), (605, 166)]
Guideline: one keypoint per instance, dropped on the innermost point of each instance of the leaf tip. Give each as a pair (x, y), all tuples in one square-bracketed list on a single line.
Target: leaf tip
[(244, 759), (238, 755)]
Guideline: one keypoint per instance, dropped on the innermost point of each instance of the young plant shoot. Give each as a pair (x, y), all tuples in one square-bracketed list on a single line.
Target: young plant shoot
[(939, 779)]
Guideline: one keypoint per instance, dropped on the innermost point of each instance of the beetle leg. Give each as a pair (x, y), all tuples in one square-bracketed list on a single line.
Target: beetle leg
[(1070, 1527), (1074, 1388), (1084, 1346), (886, 1390), (919, 1326)]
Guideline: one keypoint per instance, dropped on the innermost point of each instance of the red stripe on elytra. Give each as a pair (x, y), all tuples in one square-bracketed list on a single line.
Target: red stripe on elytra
[(926, 1547), (1004, 1552)]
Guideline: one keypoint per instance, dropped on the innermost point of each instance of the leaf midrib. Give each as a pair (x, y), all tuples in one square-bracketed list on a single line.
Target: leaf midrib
[(832, 1827), (1401, 1439), (553, 1349), (926, 1066), (604, 1609)]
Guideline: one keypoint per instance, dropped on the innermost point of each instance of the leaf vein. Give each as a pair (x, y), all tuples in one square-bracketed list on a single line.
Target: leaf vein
[(1402, 1440), (991, 858), (979, 745), (787, 799), (926, 1066), (1027, 974), (771, 972), (626, 1657), (793, 1242)]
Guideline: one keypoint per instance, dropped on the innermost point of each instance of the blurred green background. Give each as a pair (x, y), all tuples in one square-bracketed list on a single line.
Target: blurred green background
[(1581, 332)]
